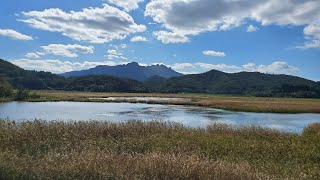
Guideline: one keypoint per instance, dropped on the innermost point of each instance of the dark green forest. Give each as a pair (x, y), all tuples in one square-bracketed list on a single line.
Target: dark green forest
[(212, 82)]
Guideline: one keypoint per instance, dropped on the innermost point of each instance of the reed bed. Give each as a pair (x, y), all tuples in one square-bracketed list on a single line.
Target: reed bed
[(154, 150)]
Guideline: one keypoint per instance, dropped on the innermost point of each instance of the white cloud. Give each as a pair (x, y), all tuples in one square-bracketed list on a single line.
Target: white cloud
[(95, 25), (58, 66), (138, 39), (115, 54), (14, 35), (32, 55), (312, 33), (170, 37), (182, 66), (69, 50), (274, 68), (214, 53), (127, 5), (251, 28), (186, 18)]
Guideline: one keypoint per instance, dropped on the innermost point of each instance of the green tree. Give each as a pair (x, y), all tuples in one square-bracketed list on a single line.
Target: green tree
[(22, 95), (5, 88)]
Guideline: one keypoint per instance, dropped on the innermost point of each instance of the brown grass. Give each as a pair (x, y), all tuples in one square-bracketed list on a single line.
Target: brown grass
[(154, 150)]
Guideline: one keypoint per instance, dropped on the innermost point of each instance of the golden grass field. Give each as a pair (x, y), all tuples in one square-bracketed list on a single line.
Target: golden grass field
[(154, 150), (250, 104)]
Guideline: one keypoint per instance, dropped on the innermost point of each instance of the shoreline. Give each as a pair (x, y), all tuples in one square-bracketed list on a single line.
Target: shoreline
[(230, 103)]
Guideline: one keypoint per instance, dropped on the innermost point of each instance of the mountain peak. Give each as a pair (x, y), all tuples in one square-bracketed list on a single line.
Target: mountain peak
[(131, 70)]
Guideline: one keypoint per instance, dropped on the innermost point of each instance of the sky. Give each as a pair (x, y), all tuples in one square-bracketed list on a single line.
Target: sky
[(190, 36)]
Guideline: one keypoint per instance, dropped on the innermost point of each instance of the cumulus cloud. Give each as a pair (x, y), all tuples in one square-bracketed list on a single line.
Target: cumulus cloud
[(170, 37), (251, 28), (138, 39), (69, 50), (214, 53), (14, 35), (58, 66), (127, 5), (115, 54), (191, 17), (95, 25), (312, 33)]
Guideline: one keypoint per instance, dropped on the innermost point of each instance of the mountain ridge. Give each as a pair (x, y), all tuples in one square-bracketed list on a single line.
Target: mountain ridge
[(211, 82)]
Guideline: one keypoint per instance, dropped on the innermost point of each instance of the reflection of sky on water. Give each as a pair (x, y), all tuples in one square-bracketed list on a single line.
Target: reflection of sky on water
[(121, 112)]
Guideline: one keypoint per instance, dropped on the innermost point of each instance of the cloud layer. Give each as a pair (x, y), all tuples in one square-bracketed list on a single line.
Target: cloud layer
[(95, 25), (58, 66), (277, 67), (184, 18)]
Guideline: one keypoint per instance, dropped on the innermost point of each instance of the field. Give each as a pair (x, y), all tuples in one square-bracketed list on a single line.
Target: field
[(249, 104), (154, 150)]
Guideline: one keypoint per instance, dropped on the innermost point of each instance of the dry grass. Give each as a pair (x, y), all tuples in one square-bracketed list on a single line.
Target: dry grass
[(253, 104), (154, 150)]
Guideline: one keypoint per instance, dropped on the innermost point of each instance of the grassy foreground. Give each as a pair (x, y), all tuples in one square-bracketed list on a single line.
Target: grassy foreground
[(154, 150), (249, 104)]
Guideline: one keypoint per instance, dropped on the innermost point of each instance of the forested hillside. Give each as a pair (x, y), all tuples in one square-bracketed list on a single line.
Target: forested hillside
[(243, 83), (33, 80), (212, 82)]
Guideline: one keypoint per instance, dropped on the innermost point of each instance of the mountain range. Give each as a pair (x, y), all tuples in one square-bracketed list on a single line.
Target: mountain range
[(211, 82), (132, 70)]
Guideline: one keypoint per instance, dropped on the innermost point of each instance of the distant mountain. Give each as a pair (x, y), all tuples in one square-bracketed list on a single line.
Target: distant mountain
[(132, 70)]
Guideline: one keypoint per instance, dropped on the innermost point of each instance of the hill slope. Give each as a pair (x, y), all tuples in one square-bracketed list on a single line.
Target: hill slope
[(243, 83), (20, 78), (132, 70)]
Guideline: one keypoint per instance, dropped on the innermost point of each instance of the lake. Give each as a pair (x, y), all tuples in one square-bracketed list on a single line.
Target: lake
[(121, 112)]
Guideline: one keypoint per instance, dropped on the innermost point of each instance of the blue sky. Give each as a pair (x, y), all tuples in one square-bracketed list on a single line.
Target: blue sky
[(191, 36)]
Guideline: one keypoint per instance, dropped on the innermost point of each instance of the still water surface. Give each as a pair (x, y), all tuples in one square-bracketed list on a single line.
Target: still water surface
[(121, 112)]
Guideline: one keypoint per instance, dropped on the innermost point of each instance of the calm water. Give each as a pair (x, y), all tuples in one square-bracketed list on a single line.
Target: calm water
[(121, 112)]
